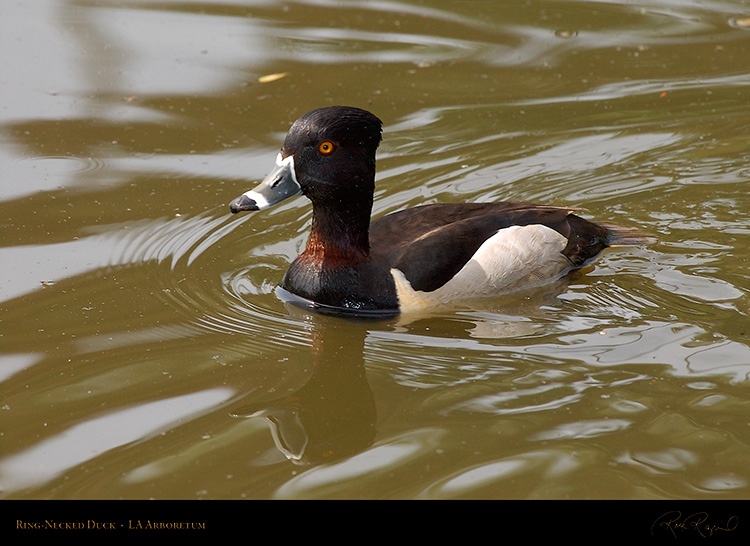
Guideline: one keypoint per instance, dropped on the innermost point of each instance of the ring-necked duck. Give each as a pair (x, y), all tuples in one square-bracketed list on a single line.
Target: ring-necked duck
[(418, 257)]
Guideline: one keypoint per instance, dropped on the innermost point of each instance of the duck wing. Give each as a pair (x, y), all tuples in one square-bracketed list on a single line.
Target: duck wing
[(430, 244)]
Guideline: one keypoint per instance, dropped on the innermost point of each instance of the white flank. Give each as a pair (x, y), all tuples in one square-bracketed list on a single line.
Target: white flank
[(513, 259)]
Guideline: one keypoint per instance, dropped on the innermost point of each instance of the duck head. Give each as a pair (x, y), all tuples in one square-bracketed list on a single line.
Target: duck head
[(328, 155)]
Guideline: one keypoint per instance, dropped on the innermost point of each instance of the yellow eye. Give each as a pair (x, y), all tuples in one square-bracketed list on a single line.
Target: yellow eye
[(326, 147)]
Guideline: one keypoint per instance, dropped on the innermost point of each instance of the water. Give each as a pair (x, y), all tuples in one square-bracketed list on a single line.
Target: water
[(145, 353)]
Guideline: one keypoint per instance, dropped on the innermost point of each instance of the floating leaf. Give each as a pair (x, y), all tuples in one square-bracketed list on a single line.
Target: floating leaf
[(272, 77)]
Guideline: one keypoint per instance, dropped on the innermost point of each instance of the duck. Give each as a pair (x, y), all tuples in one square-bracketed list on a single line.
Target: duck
[(425, 256)]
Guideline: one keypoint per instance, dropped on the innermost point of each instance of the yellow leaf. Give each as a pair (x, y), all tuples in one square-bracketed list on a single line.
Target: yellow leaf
[(272, 77)]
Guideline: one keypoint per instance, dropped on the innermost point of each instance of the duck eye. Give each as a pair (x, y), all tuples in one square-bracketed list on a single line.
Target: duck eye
[(326, 147)]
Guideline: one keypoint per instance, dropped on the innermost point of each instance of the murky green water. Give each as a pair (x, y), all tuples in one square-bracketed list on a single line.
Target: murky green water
[(145, 354)]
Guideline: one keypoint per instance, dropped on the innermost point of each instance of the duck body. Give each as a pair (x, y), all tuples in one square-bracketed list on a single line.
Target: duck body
[(420, 257)]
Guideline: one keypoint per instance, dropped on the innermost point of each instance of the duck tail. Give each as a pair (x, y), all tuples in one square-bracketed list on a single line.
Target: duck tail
[(627, 236)]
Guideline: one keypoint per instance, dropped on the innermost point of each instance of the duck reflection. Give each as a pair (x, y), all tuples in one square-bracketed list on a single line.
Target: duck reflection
[(333, 415)]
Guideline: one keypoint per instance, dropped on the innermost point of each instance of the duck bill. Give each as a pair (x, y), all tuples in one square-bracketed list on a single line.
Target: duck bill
[(281, 183)]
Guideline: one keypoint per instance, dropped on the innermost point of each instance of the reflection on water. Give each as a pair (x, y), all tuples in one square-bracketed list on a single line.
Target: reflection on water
[(50, 458), (333, 415), (145, 351)]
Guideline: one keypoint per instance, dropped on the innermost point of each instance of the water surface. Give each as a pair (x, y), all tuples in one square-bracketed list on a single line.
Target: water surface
[(144, 352)]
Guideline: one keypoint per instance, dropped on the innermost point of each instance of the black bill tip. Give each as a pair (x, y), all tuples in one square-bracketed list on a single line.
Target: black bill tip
[(242, 203)]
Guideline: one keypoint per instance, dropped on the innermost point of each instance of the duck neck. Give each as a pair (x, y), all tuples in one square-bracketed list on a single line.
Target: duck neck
[(340, 234)]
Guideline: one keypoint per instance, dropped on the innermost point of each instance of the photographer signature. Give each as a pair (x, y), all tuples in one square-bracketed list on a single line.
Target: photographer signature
[(697, 522)]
